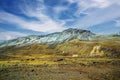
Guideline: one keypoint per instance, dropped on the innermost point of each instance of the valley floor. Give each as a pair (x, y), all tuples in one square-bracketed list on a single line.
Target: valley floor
[(60, 68)]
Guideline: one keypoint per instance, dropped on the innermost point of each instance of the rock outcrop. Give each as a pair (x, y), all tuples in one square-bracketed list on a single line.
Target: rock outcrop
[(97, 51)]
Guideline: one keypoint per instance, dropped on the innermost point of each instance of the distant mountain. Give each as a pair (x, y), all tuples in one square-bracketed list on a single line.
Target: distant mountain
[(58, 37), (107, 37)]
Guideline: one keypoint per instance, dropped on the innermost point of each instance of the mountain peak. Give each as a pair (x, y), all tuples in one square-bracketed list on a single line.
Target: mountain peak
[(74, 30)]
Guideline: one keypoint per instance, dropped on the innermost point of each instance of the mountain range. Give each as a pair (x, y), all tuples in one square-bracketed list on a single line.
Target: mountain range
[(68, 42), (57, 37)]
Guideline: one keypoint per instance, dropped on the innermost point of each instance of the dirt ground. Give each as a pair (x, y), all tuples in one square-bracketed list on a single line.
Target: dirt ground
[(72, 71)]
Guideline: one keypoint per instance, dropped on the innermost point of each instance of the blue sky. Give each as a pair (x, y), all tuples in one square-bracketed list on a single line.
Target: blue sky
[(35, 17)]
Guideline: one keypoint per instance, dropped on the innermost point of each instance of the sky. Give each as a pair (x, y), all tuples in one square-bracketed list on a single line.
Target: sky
[(38, 17)]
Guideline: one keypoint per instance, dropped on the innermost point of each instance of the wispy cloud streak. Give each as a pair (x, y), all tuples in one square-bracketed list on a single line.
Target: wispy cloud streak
[(44, 23)]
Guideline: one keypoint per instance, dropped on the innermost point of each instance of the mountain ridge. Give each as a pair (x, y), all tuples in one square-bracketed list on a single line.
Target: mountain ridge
[(57, 37)]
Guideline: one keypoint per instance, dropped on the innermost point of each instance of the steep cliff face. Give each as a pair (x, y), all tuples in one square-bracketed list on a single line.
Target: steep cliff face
[(58, 37)]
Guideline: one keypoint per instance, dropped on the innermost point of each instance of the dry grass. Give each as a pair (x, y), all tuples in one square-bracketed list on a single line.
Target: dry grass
[(81, 48), (45, 68)]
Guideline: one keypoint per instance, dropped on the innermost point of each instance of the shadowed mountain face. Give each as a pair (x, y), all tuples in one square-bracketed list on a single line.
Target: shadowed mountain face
[(58, 37)]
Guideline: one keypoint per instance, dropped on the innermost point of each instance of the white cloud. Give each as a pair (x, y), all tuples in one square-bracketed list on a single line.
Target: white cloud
[(71, 1), (59, 9), (10, 35), (44, 23), (100, 16), (98, 12), (84, 5)]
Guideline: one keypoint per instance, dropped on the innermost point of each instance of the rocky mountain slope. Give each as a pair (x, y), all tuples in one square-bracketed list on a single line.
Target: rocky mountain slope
[(58, 37)]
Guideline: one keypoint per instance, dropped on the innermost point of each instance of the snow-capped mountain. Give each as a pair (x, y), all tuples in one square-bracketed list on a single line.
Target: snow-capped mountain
[(57, 37)]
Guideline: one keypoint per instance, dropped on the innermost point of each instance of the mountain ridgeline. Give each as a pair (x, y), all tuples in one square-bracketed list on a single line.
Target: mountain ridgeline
[(57, 37)]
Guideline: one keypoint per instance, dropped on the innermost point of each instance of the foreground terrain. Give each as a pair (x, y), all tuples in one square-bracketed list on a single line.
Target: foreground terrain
[(73, 60), (60, 68)]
